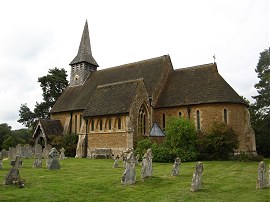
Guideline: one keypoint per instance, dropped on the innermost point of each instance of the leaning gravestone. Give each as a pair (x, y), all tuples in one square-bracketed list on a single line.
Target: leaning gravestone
[(129, 175), (261, 180), (197, 177), (176, 167), (13, 176), (53, 163), (4, 153), (62, 154), (147, 164)]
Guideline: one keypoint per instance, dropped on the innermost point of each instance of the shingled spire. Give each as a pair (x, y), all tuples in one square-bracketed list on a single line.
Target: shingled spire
[(84, 52), (84, 63)]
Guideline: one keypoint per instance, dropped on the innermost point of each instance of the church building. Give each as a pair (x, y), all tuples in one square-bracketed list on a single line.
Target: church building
[(116, 107)]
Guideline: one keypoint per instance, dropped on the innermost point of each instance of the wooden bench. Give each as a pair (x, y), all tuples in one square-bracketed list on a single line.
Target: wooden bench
[(102, 153)]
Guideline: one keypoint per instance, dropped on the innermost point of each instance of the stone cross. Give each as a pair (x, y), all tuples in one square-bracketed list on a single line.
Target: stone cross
[(53, 162), (129, 175), (13, 176), (147, 164), (261, 179), (176, 167), (197, 177)]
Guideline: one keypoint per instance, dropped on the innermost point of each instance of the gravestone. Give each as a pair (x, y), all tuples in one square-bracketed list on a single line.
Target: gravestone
[(261, 179), (13, 176), (53, 163), (38, 149), (197, 177), (37, 161), (28, 151), (62, 154), (147, 164), (4, 153), (176, 167), (19, 150), (12, 153), (129, 175), (115, 164)]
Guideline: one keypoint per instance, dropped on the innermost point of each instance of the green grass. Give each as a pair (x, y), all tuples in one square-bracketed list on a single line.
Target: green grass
[(96, 180)]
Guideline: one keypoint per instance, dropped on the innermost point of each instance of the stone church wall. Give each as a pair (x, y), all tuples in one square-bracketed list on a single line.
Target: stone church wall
[(237, 117)]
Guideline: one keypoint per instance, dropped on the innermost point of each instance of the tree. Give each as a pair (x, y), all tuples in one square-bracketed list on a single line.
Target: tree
[(181, 138), (53, 85), (263, 86), (260, 110), (5, 131)]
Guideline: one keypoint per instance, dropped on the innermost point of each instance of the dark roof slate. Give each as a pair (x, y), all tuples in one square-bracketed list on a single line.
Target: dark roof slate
[(77, 98), (50, 127), (116, 98), (197, 85), (84, 53)]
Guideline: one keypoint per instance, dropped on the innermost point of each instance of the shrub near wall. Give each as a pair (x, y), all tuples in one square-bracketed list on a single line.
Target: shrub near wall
[(219, 143)]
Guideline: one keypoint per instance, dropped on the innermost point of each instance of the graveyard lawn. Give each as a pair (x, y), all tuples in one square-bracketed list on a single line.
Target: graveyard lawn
[(96, 180)]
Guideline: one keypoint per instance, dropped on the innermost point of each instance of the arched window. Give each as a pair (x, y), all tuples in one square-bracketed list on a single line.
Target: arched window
[(92, 125), (163, 121), (100, 124), (180, 114), (142, 120), (110, 124), (225, 115), (119, 123), (198, 115)]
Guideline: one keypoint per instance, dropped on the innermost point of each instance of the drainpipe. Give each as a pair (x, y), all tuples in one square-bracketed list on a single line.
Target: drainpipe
[(86, 139)]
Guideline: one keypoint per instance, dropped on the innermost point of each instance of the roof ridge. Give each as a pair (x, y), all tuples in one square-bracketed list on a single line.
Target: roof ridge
[(133, 63), (121, 82), (196, 66)]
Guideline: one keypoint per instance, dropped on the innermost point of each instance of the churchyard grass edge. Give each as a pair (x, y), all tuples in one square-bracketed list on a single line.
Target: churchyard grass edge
[(96, 180)]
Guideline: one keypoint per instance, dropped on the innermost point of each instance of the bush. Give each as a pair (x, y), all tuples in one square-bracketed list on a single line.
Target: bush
[(181, 138), (70, 144), (219, 143), (245, 157)]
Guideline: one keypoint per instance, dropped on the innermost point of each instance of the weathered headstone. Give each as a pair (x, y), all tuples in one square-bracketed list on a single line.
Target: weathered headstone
[(53, 163), (62, 154), (28, 151), (129, 175), (19, 150), (147, 164), (38, 149), (37, 161), (13, 176), (12, 153), (197, 177), (115, 164), (176, 167), (261, 180), (4, 153)]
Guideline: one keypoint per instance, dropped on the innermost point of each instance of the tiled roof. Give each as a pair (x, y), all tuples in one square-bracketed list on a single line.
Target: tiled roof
[(196, 85), (78, 97), (84, 52), (116, 98), (50, 127)]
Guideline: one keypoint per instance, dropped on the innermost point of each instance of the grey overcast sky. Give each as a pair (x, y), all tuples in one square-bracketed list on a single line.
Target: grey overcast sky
[(38, 35)]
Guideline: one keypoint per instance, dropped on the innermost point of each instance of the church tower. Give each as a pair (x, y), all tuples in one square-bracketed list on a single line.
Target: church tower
[(84, 63)]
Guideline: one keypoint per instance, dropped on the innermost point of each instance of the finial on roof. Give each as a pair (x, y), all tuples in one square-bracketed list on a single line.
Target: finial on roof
[(84, 53), (214, 56)]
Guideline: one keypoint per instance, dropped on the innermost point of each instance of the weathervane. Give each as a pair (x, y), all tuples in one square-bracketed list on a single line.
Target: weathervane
[(214, 56)]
